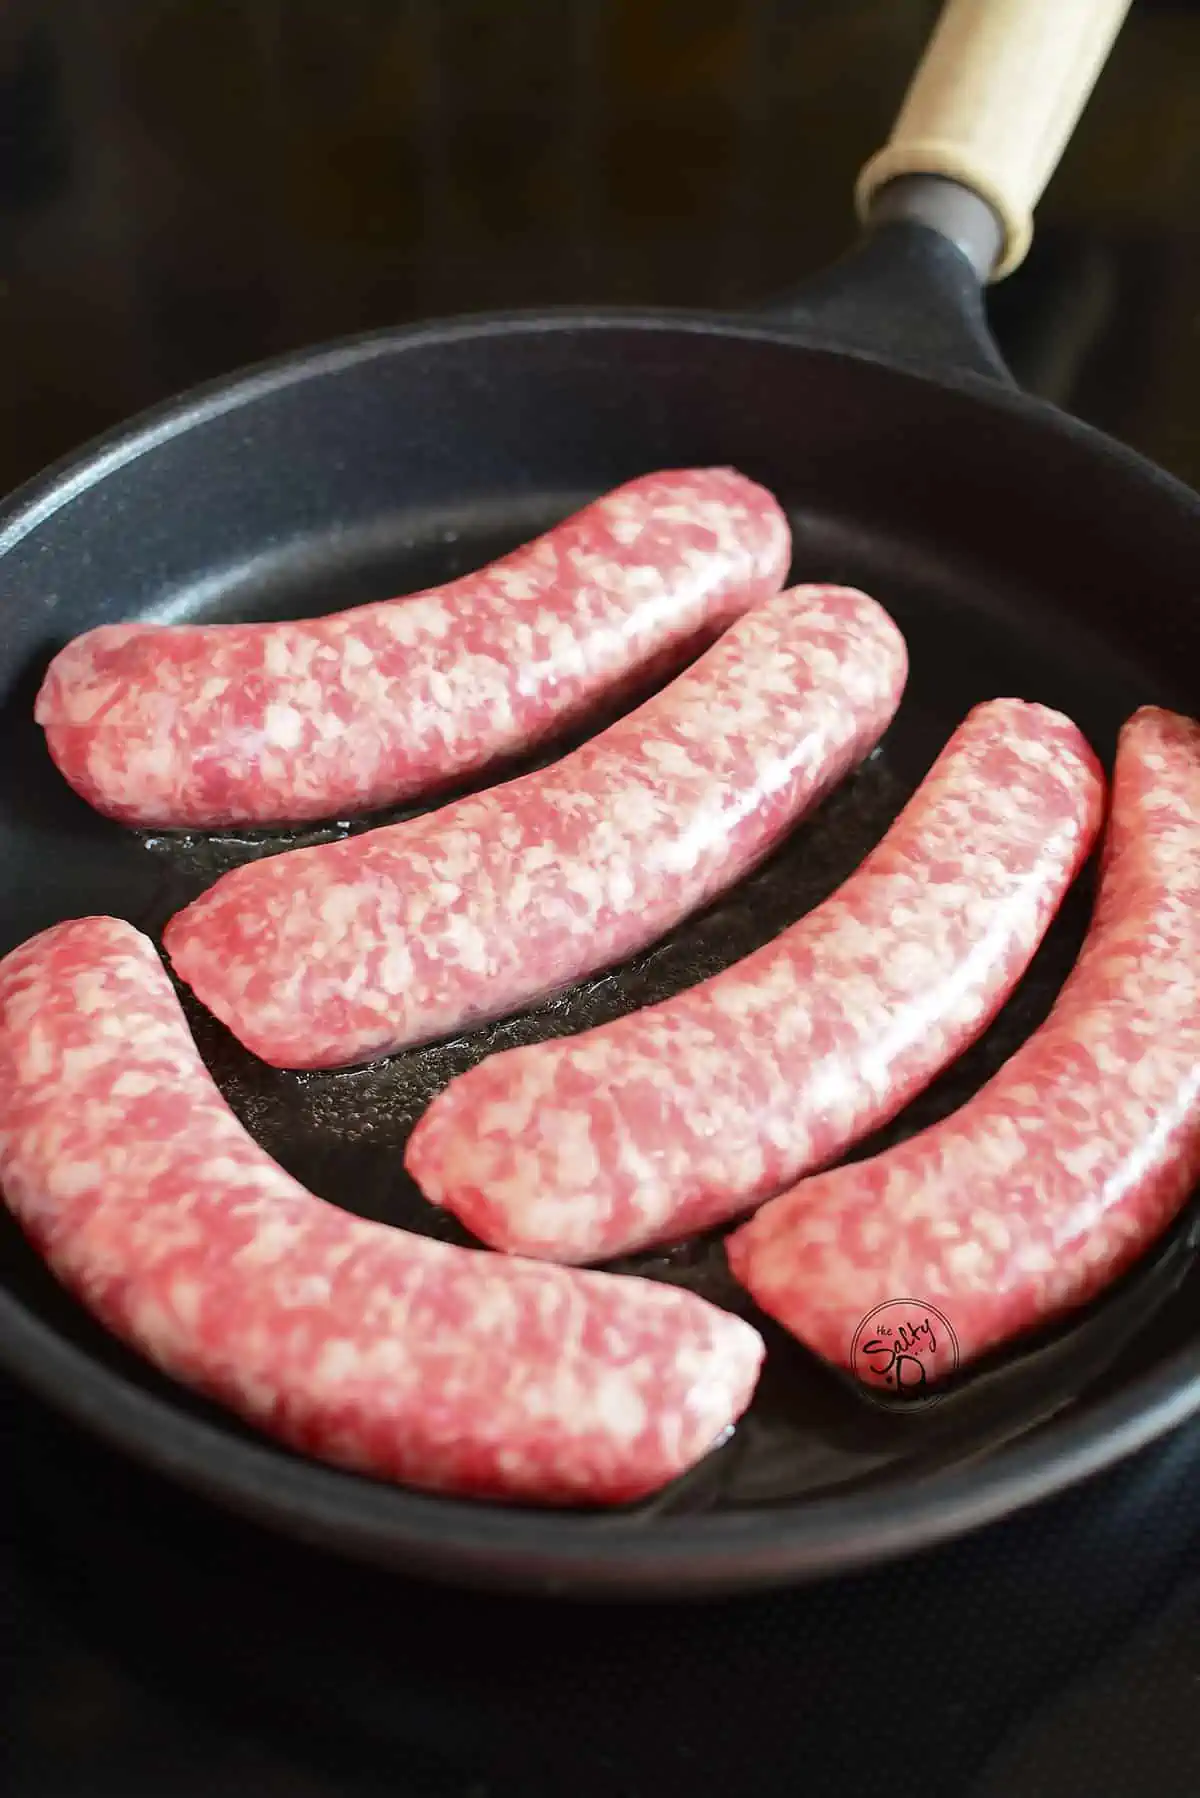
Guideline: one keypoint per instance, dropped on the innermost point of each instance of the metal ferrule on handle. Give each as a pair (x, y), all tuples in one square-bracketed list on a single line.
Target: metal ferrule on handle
[(990, 111)]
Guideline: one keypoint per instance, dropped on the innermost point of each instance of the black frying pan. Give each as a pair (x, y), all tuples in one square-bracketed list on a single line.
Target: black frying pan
[(1020, 552)]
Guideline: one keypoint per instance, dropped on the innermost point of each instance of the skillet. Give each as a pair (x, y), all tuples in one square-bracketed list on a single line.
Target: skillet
[(1019, 551)]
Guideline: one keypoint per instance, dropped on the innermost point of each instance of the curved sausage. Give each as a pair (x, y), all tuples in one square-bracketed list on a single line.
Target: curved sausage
[(413, 1360), (211, 725), (1072, 1159), (680, 1116), (328, 956)]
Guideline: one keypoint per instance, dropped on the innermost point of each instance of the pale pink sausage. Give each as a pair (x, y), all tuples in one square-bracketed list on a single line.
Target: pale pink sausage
[(413, 1360), (328, 956), (210, 725), (680, 1116), (1069, 1163)]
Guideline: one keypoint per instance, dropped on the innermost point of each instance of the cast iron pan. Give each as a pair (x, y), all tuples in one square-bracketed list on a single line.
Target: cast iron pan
[(1021, 554)]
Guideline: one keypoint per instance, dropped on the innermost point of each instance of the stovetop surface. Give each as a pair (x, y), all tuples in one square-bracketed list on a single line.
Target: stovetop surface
[(149, 1646), (186, 187)]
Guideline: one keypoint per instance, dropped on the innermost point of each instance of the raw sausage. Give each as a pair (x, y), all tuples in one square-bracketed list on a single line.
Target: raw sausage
[(678, 1117), (328, 956), (202, 726), (448, 1368), (1072, 1159)]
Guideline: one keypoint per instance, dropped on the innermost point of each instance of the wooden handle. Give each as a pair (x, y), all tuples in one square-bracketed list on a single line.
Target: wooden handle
[(995, 101)]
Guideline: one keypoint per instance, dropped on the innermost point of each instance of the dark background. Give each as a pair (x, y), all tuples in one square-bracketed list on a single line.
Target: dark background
[(190, 185)]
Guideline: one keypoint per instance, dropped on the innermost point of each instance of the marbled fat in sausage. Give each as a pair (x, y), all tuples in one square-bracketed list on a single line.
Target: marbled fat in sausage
[(680, 1116), (447, 1368), (203, 726), (328, 956), (1073, 1159)]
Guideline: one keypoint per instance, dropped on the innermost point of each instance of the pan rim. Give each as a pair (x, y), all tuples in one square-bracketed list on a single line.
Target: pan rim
[(564, 1554), (557, 1552), (38, 499)]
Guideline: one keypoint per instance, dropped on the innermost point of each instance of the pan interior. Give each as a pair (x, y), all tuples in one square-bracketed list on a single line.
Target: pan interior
[(990, 538)]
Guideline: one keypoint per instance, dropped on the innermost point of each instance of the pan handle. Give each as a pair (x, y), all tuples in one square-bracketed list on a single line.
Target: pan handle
[(948, 202), (990, 110)]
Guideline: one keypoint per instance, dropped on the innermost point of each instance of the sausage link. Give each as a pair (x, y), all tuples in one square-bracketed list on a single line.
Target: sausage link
[(678, 1117), (447, 1368), (203, 726), (328, 956)]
